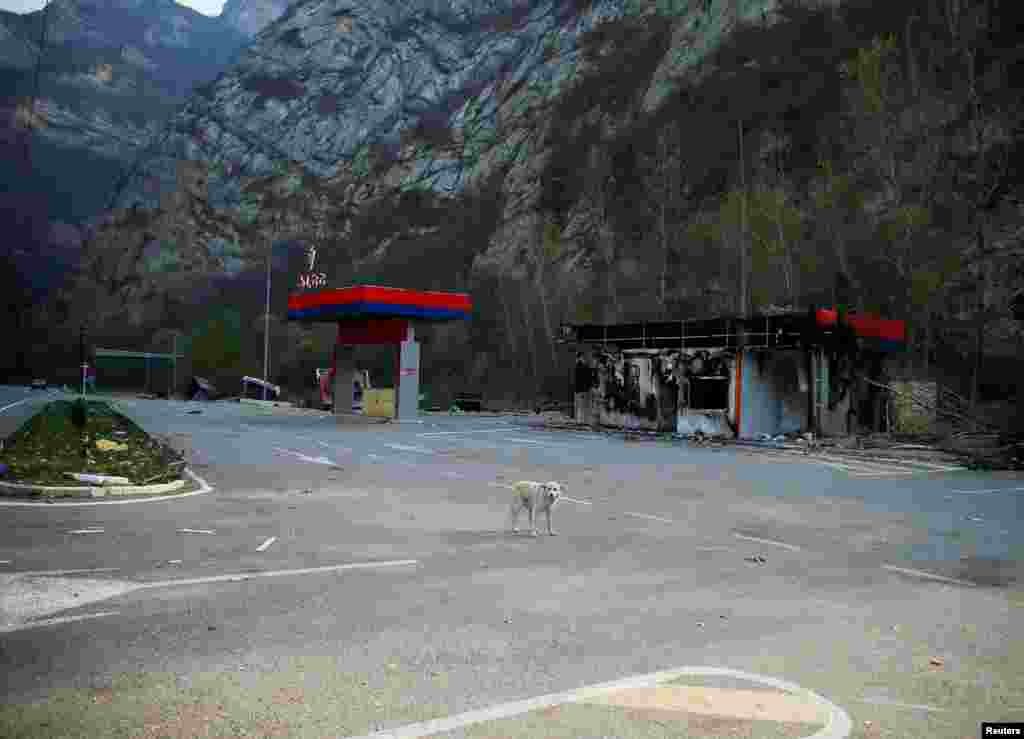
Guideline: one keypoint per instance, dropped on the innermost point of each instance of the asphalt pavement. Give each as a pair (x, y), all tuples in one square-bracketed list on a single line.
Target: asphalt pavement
[(384, 590)]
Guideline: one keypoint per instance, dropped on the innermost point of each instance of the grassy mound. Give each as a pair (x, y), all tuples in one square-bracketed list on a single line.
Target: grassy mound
[(60, 439)]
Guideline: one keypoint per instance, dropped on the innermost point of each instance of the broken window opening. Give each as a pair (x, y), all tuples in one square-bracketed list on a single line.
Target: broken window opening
[(708, 393)]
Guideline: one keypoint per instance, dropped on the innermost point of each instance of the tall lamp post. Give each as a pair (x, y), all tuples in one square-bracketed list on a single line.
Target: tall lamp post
[(266, 325)]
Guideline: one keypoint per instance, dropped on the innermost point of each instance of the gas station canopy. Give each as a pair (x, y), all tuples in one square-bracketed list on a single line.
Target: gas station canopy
[(369, 314), (371, 301)]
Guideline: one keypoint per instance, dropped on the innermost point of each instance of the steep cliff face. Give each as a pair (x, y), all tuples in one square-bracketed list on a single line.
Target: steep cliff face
[(112, 71), (426, 95)]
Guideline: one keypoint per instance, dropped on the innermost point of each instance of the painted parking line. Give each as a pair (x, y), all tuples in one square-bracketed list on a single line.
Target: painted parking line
[(266, 544), (45, 573), (338, 449), (927, 575), (772, 542), (243, 576), (17, 402), (196, 531), (648, 516), (54, 621), (306, 458), (5, 561), (408, 448), (537, 442), (461, 433), (837, 722), (85, 531), (990, 491)]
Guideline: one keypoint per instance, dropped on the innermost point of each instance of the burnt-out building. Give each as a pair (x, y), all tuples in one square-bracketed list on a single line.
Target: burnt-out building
[(786, 372)]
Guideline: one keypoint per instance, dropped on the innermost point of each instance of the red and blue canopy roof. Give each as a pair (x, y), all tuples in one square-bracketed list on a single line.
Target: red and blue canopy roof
[(880, 333), (371, 301)]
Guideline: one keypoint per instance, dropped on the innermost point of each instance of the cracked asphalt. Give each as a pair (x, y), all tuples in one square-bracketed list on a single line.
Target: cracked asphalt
[(845, 580)]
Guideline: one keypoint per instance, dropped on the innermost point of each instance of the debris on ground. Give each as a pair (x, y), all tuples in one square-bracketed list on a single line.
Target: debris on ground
[(936, 662), (757, 558), (99, 479), (107, 445)]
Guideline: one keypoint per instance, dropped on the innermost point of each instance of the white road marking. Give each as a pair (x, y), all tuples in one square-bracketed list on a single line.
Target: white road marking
[(537, 442), (988, 492), (241, 577), (773, 542), (17, 402), (920, 463), (196, 531), (577, 500), (648, 516), (459, 433), (861, 469), (407, 448), (86, 531), (266, 545), (837, 724), (5, 561), (204, 488), (44, 573), (55, 621), (306, 458), (339, 449), (927, 575)]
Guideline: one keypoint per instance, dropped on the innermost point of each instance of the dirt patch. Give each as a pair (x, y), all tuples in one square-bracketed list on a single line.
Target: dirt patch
[(51, 444)]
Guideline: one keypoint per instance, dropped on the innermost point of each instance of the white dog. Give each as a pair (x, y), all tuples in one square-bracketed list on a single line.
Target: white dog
[(534, 497)]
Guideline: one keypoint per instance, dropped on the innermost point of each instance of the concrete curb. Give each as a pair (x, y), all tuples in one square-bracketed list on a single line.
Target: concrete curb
[(837, 722), (21, 490), (266, 403)]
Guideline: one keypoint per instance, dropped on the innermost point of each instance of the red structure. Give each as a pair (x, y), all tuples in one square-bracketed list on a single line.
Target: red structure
[(370, 314)]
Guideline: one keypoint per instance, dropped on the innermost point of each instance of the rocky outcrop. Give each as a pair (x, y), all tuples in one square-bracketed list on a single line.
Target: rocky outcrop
[(429, 95), (252, 16), (113, 71)]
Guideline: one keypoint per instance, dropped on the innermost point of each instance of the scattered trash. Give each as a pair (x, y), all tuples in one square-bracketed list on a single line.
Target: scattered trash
[(700, 624), (756, 558), (307, 491), (936, 662), (211, 628), (508, 620), (973, 517), (174, 561), (99, 479), (107, 445)]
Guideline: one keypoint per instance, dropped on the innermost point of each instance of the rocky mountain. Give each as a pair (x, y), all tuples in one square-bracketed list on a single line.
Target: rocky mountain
[(252, 16), (600, 160), (111, 73), (425, 95)]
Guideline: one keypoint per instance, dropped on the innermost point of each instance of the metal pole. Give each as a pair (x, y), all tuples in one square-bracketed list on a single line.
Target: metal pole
[(266, 325), (174, 366), (81, 354)]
